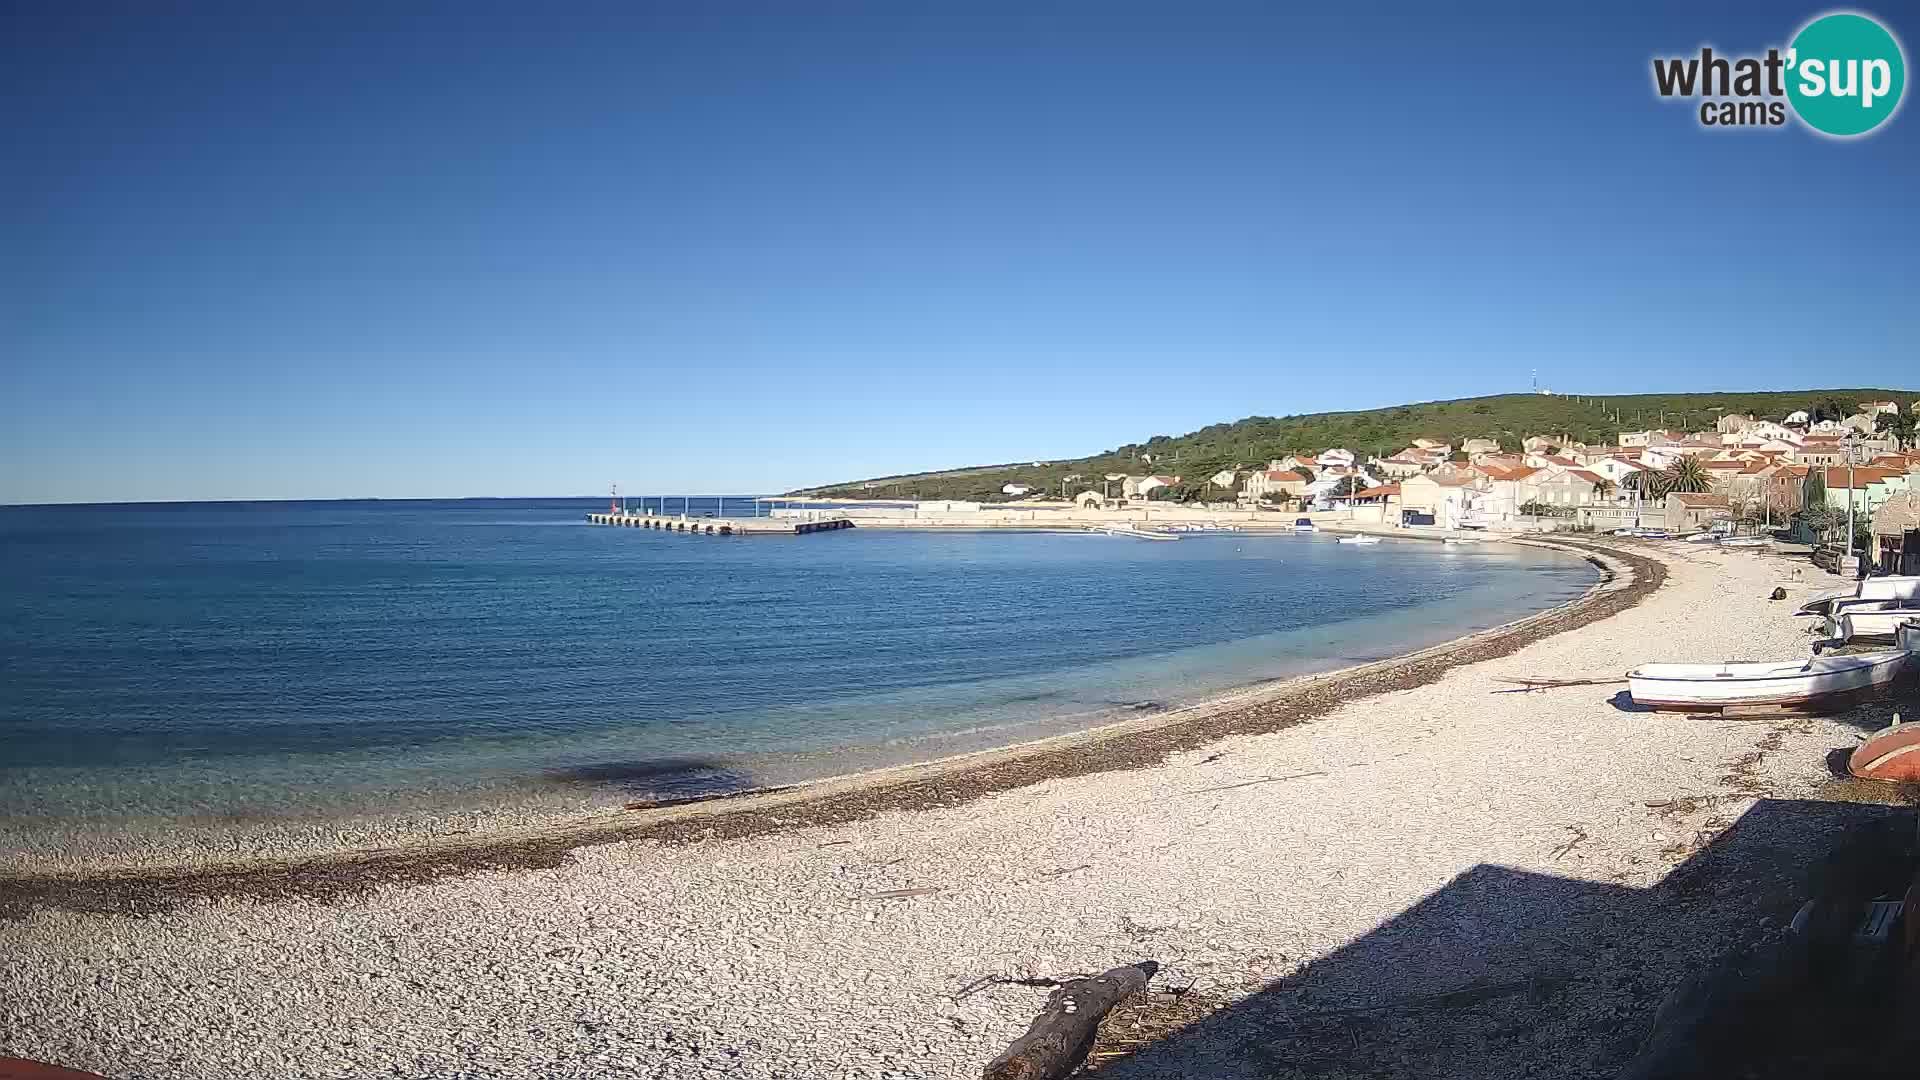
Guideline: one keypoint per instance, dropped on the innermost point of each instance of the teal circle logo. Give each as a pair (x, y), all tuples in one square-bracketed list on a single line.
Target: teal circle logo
[(1845, 74)]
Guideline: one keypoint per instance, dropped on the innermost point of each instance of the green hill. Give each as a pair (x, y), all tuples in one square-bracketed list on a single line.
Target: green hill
[(1257, 439)]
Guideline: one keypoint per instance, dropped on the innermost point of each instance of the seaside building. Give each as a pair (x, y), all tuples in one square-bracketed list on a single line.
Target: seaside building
[(1896, 535), (1696, 510), (1261, 484), (1450, 500)]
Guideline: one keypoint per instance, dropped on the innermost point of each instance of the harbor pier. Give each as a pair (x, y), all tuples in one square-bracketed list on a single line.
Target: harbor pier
[(726, 526)]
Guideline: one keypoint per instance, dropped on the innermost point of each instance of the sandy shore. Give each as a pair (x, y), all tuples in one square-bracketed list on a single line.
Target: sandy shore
[(1509, 879)]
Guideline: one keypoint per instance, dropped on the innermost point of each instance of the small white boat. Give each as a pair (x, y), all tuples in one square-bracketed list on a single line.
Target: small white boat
[(1872, 621), (1823, 682), (1303, 525), (1746, 542), (1358, 540), (1892, 587), (1462, 540), (1906, 637)]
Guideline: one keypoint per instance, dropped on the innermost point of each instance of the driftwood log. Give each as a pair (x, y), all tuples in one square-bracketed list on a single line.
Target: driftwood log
[(1058, 1039)]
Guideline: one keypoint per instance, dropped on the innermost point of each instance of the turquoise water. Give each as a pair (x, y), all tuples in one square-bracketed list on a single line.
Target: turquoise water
[(262, 660)]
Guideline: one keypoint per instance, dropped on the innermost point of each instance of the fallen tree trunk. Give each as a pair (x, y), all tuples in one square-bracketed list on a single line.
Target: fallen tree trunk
[(1058, 1039)]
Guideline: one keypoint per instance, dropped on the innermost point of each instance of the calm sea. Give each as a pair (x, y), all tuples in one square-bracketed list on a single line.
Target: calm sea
[(260, 660)]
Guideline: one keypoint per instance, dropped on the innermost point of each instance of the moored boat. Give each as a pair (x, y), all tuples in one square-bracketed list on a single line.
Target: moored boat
[(1358, 540), (1817, 684), (1303, 525)]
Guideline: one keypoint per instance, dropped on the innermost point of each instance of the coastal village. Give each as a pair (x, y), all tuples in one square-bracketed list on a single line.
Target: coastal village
[(1796, 474)]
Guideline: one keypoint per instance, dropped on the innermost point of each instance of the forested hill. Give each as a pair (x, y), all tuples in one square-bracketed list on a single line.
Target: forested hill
[(1256, 439)]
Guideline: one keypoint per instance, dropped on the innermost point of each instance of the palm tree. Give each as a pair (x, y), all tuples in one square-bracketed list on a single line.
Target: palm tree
[(1603, 489), (1686, 474)]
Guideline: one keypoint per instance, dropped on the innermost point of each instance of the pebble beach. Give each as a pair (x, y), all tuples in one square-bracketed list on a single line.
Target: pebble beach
[(1457, 878)]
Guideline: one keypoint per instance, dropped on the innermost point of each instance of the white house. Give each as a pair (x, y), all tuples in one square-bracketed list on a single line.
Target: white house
[(1139, 487), (1329, 479), (1799, 416), (1335, 458), (1452, 500)]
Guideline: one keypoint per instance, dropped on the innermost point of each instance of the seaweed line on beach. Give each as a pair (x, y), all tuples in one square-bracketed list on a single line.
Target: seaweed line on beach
[(338, 876)]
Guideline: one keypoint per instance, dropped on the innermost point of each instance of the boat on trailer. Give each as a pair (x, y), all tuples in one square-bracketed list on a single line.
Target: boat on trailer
[(1819, 684)]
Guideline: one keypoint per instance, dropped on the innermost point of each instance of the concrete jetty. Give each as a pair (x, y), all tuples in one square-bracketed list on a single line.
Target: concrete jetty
[(728, 526)]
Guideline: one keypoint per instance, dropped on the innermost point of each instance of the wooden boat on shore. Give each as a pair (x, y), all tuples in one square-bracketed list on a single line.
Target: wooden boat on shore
[(1818, 684)]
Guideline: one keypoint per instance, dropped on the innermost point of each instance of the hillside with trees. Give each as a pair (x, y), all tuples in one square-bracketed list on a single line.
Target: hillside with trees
[(1254, 441)]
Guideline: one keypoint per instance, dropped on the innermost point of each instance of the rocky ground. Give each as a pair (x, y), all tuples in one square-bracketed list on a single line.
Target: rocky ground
[(1455, 878)]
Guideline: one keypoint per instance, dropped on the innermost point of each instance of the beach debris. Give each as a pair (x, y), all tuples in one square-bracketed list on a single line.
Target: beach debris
[(1777, 594), (1547, 682), (901, 894), (1065, 870), (1579, 837), (1057, 1041), (1250, 783)]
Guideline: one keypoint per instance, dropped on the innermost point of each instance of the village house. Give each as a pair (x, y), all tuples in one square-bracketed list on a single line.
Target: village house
[(1475, 447), (1261, 484), (1866, 488), (1896, 535), (1734, 423), (1335, 458), (1565, 488), (1797, 418), (1696, 510), (1541, 460), (1140, 487), (1872, 408), (1616, 469), (1295, 462), (1399, 465), (1443, 449), (1451, 501)]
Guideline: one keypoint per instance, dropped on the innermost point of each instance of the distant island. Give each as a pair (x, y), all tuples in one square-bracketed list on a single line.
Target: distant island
[(1248, 443)]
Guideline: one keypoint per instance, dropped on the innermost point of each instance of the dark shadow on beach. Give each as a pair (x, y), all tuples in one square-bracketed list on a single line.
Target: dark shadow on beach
[(1511, 973)]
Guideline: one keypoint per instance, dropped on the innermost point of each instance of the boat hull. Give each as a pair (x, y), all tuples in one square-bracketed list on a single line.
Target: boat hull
[(1855, 624), (1892, 754), (1821, 685)]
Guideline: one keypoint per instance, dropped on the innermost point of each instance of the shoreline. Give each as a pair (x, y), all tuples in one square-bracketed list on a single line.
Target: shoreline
[(1128, 744)]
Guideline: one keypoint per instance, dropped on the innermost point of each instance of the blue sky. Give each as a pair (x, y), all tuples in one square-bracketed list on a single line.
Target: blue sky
[(484, 250)]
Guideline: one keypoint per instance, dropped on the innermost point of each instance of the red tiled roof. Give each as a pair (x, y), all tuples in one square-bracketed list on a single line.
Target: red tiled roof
[(1377, 492), (1285, 476), (1862, 475), (1589, 477)]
